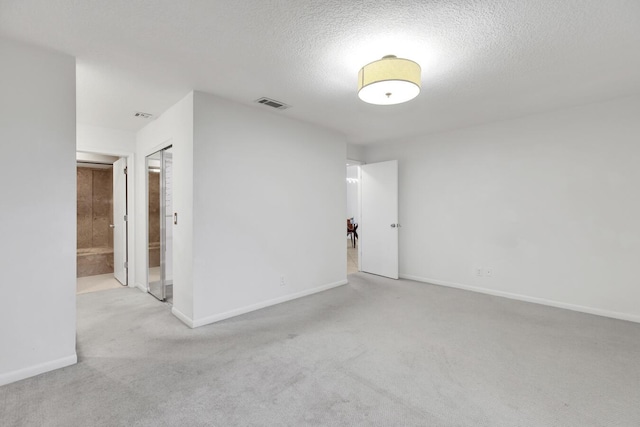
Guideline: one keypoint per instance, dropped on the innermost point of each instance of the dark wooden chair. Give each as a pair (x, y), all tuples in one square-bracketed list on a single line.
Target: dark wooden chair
[(352, 231)]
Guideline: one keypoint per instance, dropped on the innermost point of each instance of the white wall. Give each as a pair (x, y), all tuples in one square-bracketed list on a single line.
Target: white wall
[(174, 127), (269, 201), (97, 139), (356, 152), (550, 203), (38, 215)]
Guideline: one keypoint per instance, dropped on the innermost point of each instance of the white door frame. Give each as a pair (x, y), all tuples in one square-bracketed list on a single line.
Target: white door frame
[(130, 156), (352, 162)]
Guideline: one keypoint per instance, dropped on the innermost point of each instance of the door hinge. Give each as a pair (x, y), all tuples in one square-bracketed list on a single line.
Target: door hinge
[(126, 264), (126, 218), (126, 170)]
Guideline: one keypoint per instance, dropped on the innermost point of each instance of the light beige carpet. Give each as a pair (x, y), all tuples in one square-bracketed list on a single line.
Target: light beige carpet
[(375, 352)]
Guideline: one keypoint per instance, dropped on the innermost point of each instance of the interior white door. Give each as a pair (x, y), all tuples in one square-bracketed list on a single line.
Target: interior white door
[(378, 230), (119, 222)]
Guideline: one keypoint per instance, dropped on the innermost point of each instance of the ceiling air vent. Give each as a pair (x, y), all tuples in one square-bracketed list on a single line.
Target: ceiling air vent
[(272, 103), (143, 115)]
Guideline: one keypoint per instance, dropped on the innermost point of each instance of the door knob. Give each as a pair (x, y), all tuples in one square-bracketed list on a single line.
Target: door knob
[(112, 226), (393, 226)]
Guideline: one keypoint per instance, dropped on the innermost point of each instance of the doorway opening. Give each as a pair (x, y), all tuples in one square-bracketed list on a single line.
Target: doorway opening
[(353, 216), (160, 221), (102, 235)]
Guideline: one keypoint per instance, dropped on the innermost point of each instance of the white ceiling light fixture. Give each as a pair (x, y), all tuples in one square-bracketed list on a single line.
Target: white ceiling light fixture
[(390, 80)]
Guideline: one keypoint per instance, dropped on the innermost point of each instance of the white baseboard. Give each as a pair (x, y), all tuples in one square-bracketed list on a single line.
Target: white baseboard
[(535, 300), (41, 368), (183, 317), (237, 312), (140, 286)]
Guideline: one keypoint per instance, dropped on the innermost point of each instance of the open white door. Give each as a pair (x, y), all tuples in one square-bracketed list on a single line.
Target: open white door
[(378, 229), (119, 221)]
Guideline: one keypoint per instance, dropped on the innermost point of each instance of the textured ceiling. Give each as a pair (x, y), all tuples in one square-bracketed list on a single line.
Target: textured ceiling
[(482, 60)]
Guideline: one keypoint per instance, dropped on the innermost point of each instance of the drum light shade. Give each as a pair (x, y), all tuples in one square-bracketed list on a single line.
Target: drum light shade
[(389, 81)]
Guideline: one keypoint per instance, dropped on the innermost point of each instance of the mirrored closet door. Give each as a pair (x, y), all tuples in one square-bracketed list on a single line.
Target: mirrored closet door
[(160, 224)]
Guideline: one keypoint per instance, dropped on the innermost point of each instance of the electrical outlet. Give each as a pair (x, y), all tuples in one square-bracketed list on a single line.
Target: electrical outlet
[(479, 271), (282, 282), (489, 272)]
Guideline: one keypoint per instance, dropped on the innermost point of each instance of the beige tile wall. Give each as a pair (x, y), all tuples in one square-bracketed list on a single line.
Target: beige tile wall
[(94, 215)]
